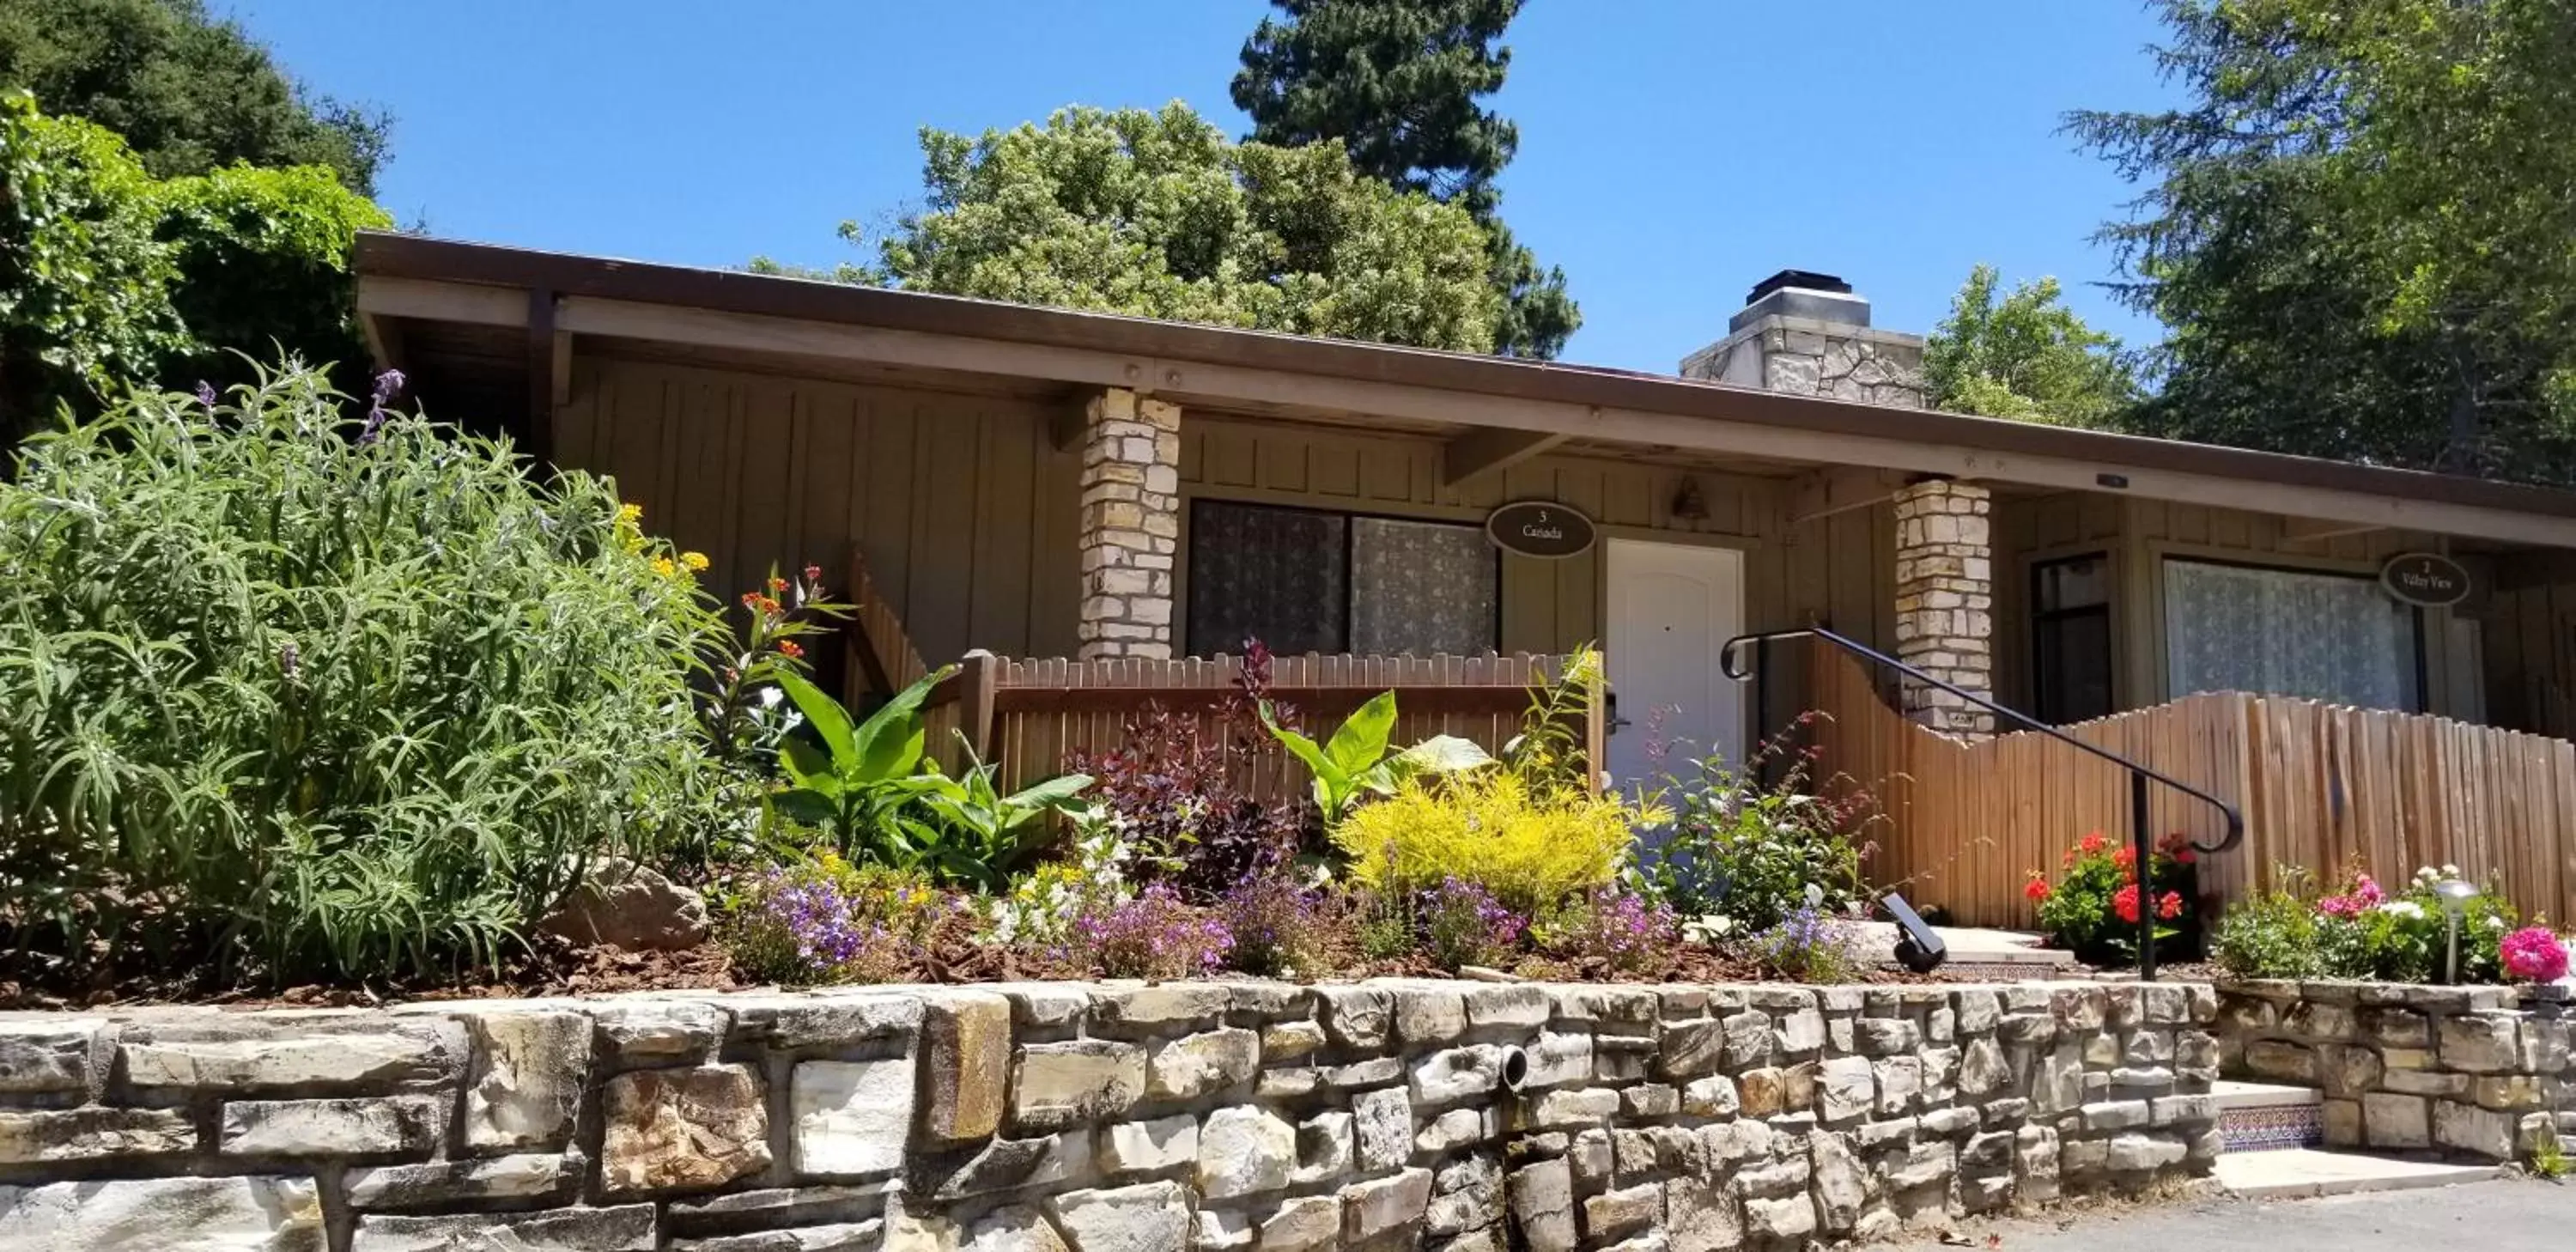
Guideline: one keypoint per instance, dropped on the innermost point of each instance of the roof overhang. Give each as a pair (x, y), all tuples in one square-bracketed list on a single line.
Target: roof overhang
[(412, 280)]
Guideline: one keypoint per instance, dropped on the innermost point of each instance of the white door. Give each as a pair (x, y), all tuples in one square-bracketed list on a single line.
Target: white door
[(1671, 607)]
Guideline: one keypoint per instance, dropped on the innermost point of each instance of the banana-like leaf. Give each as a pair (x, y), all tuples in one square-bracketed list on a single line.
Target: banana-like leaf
[(830, 721), (1360, 741), (889, 743), (1442, 754)]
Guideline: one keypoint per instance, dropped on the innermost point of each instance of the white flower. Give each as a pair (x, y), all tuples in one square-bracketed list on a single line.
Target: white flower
[(2404, 908), (2495, 922), (2450, 871)]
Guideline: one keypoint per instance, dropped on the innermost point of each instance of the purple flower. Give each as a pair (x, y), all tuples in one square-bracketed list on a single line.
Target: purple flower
[(387, 384), (206, 394)]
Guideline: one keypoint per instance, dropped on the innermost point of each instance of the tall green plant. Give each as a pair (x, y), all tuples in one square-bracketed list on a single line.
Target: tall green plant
[(321, 693), (870, 786), (1355, 760)]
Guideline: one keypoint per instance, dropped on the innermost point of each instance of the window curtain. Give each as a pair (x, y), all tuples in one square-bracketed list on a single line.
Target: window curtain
[(1421, 589), (2281, 632), (1270, 574)]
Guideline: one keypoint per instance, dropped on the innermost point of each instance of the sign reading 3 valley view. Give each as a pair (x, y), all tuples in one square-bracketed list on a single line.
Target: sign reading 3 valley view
[(1540, 528), (2425, 578)]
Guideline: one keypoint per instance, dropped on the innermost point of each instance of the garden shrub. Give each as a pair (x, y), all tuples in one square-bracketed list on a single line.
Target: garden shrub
[(1459, 923), (332, 695), (1155, 935), (1529, 845), (1174, 785), (2093, 909), (1740, 854), (1809, 945), (824, 920), (1616, 931), (2363, 931)]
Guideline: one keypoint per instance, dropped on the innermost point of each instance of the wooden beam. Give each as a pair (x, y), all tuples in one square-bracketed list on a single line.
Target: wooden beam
[(1194, 383), (443, 302), (561, 368), (1492, 448), (2318, 530), (384, 340), (543, 386), (1841, 489)]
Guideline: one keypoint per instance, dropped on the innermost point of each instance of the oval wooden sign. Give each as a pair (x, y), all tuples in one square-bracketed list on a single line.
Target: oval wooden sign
[(1540, 528), (2425, 578)]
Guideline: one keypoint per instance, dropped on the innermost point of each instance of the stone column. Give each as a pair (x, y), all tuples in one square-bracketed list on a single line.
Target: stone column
[(1131, 524), (1945, 601)]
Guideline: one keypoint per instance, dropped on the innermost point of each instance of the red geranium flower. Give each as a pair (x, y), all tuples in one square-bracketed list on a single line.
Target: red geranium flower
[(2094, 843), (2170, 907), (2036, 889), (2125, 903)]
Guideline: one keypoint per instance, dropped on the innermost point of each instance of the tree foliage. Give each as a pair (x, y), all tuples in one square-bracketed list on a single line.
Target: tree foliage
[(1156, 214), (1398, 84), (110, 278), (190, 93), (2023, 354), (2358, 230)]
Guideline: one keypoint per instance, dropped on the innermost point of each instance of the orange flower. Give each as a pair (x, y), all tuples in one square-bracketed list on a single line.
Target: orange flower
[(777, 585), (790, 649)]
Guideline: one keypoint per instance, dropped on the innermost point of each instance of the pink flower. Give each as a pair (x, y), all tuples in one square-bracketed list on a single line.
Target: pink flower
[(2534, 955)]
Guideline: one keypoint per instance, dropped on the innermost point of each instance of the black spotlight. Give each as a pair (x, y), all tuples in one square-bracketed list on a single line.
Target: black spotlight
[(1918, 946)]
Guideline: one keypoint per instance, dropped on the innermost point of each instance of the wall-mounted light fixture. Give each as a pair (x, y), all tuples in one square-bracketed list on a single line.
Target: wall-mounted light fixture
[(1688, 504)]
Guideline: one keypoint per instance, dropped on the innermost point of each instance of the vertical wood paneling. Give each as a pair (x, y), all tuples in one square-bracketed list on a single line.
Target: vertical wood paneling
[(965, 513)]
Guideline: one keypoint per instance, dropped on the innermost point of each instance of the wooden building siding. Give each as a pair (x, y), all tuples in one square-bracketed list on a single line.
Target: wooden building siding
[(2531, 645), (965, 512), (1839, 569)]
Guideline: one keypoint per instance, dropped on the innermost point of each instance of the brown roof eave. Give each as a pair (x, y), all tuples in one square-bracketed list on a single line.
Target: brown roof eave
[(411, 256)]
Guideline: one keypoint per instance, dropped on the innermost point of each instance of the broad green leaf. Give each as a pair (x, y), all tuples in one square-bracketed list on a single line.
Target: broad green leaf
[(1443, 754), (1361, 739), (890, 741), (830, 721)]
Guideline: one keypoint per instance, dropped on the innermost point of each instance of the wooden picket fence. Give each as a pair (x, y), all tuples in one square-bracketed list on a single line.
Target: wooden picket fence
[(2319, 786), (1028, 717)]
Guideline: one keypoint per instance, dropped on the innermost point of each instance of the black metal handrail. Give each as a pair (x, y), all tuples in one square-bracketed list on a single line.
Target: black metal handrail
[(2139, 775)]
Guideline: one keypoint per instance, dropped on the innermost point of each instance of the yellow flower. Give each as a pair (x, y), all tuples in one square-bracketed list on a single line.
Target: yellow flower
[(662, 565), (630, 514), (694, 560)]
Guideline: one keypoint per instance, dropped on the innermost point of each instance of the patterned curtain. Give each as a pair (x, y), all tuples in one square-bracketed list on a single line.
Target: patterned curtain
[(1265, 573), (1421, 588), (2280, 632)]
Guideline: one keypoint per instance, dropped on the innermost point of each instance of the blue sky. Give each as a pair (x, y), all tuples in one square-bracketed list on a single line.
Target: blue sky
[(1672, 152)]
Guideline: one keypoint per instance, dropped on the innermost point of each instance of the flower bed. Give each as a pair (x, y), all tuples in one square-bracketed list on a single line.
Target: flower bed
[(1102, 1117), (2478, 1072)]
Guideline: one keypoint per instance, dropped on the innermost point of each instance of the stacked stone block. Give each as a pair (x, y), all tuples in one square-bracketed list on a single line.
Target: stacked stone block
[(2475, 1072), (1131, 525), (1810, 357), (1945, 601), (1186, 1117)]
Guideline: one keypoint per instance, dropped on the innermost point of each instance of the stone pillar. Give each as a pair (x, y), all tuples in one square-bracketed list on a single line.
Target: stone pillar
[(1131, 524), (1945, 601)]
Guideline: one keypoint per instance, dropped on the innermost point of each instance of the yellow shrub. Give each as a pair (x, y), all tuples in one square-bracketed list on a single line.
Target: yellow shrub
[(1529, 846)]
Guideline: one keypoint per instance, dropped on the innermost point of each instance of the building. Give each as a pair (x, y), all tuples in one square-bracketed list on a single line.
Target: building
[(1046, 483)]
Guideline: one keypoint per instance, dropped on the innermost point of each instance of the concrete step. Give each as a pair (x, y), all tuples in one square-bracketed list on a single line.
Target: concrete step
[(2264, 1117), (2300, 1173)]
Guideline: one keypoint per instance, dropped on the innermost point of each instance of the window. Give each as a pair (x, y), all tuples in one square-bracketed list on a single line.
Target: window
[(1300, 580), (2329, 637), (2070, 639)]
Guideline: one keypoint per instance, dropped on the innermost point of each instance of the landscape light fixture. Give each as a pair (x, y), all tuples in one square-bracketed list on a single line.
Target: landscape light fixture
[(2455, 896), (1918, 946)]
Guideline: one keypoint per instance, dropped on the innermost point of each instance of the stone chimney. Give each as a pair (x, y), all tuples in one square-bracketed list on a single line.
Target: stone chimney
[(1809, 333)]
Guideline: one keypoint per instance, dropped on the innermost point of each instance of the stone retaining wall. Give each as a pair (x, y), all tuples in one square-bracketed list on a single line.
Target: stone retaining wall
[(2468, 1071), (1098, 1118)]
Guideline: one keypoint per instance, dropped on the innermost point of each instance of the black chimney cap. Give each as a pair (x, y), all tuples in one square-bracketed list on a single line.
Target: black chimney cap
[(1808, 279)]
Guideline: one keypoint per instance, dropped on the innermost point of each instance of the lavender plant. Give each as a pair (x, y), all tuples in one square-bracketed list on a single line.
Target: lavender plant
[(1281, 928), (1461, 923), (1155, 935), (1620, 931), (1809, 945)]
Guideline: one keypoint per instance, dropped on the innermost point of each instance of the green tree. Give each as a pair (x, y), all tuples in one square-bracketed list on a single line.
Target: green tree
[(2023, 354), (110, 278), (1397, 83), (2357, 229), (190, 93), (1158, 215)]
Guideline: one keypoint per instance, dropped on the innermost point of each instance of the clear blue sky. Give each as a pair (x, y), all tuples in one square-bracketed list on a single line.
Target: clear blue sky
[(1672, 151)]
